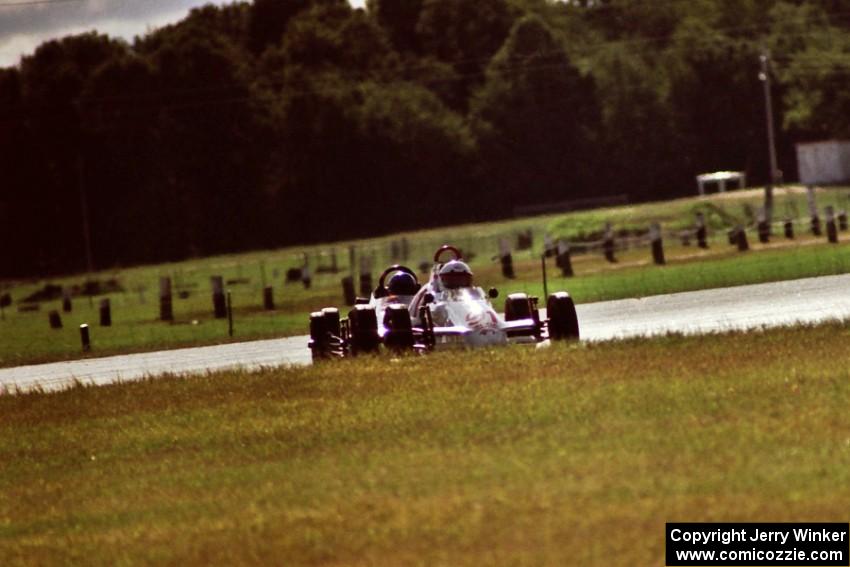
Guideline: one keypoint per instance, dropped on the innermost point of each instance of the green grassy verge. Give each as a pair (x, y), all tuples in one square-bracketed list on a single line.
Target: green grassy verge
[(25, 337), (573, 455)]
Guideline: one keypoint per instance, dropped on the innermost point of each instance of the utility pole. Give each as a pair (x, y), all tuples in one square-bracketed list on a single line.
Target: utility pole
[(764, 77)]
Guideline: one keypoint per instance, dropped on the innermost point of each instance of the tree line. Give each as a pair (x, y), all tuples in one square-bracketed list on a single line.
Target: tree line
[(276, 122)]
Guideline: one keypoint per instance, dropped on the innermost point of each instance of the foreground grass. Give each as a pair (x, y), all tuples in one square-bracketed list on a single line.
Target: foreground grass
[(574, 455)]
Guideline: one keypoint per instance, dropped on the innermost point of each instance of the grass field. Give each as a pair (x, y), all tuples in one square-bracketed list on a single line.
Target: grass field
[(573, 455), (26, 338)]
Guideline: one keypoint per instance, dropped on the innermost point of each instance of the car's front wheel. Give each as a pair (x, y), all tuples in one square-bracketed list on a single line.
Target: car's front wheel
[(399, 336), (563, 319), (363, 329)]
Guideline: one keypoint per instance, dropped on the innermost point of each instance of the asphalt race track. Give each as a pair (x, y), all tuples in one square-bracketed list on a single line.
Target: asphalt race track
[(809, 300)]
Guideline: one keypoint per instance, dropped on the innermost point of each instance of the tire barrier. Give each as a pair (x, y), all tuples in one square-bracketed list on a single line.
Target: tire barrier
[(268, 298)]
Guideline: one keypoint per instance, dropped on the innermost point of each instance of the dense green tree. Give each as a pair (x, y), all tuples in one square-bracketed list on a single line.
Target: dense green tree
[(716, 99), (269, 19), (639, 134), (53, 81), (813, 58), (464, 34), (399, 19), (544, 118), (252, 124)]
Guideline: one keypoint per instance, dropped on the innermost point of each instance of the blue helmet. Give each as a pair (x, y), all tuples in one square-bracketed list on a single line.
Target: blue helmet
[(402, 283)]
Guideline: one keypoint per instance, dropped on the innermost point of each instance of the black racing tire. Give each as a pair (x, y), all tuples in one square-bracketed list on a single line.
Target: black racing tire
[(364, 329), (517, 306), (332, 321), (399, 336), (318, 336), (563, 319)]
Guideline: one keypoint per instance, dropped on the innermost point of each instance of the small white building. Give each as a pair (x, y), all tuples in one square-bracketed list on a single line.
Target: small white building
[(721, 178)]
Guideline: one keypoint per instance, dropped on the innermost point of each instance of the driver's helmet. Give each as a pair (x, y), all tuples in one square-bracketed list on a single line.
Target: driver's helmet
[(402, 283), (455, 274)]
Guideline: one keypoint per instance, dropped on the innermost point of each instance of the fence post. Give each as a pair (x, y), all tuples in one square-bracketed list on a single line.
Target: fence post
[(229, 314), (657, 243), (831, 228), (524, 240), (763, 227), (219, 303), (789, 228), (405, 249), (608, 243), (563, 259), (702, 232), (348, 290), (365, 284), (548, 246), (813, 210), (166, 311), (105, 313), (85, 339), (5, 301), (365, 275), (741, 239), (506, 259), (54, 319), (545, 283), (268, 298), (67, 306)]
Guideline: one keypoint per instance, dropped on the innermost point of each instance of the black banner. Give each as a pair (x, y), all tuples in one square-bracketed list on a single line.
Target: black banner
[(760, 544)]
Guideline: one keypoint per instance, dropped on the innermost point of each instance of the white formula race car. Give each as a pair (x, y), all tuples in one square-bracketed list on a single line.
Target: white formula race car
[(402, 315)]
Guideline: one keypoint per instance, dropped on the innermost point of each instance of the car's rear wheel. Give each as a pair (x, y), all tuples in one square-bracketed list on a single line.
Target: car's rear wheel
[(563, 319), (364, 329), (399, 327), (517, 306)]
